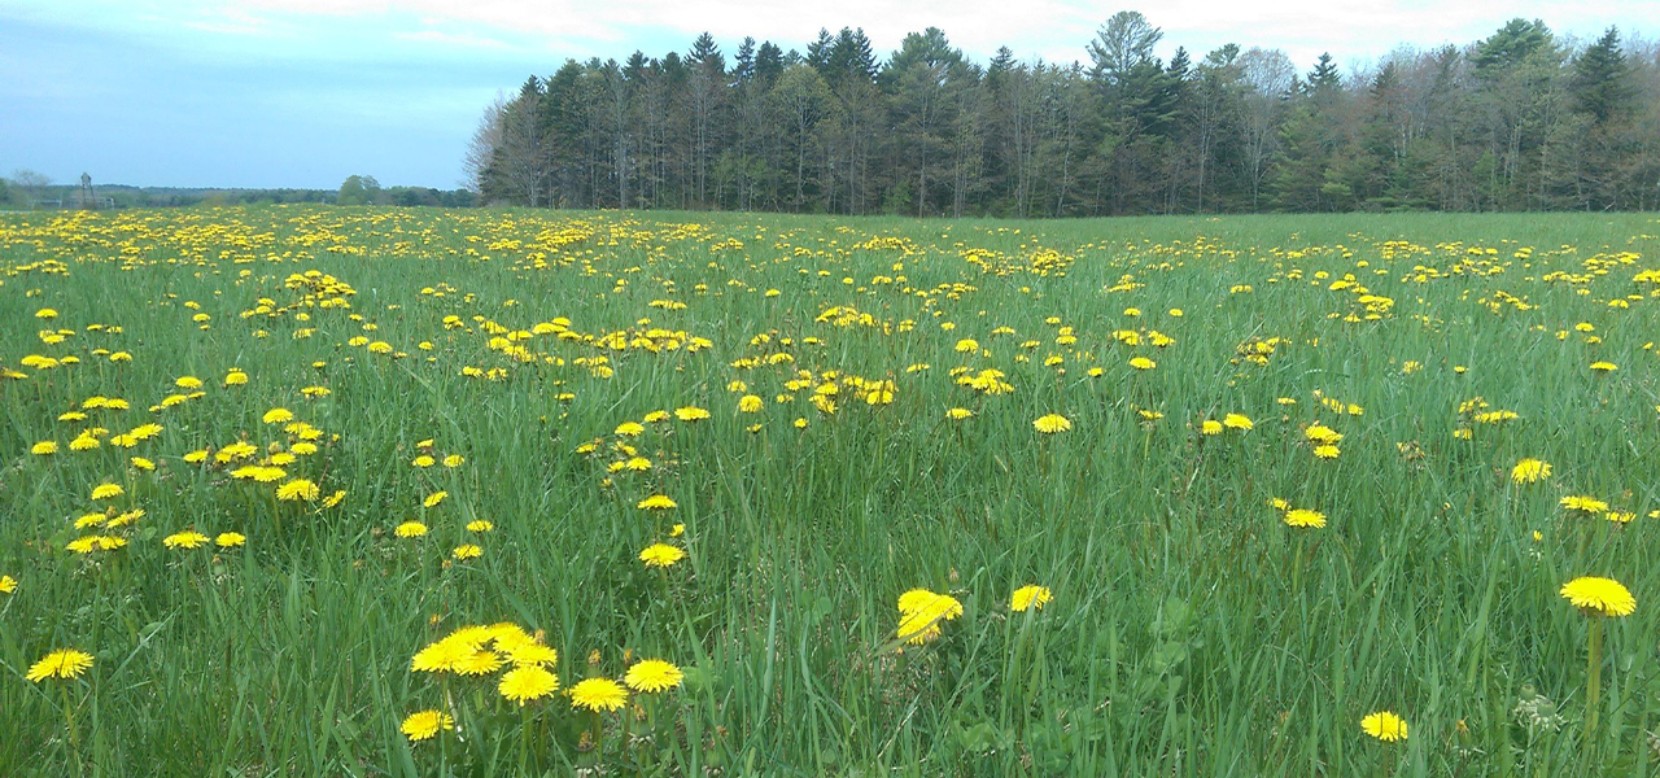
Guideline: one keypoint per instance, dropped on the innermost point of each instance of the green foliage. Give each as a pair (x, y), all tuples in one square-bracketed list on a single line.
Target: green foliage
[(1191, 630)]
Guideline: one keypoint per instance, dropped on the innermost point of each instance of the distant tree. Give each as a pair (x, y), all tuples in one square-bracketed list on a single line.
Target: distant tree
[(482, 148), (32, 183)]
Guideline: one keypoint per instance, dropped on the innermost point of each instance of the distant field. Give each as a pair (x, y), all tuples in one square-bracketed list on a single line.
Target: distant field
[(1270, 476)]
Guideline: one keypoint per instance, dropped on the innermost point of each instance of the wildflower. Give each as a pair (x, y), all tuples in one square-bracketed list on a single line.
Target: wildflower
[(278, 416), (1599, 596), (467, 551), (629, 429), (691, 413), (1584, 504), (1237, 421), (229, 539), (235, 377), (1327, 451), (454, 460), (410, 529), (1384, 726), (479, 662), (526, 652), (1030, 597), (1210, 427), (8, 584), (1303, 517), (1052, 424), (435, 499), (1142, 363), (107, 491), (527, 682), (661, 555), (188, 539), (959, 414), (298, 489), (426, 724), (44, 448), (333, 499), (1604, 367), (657, 502), (480, 525), (677, 530), (652, 676), (599, 694), (423, 460), (62, 663), (749, 403), (1320, 433), (921, 612), (1530, 471)]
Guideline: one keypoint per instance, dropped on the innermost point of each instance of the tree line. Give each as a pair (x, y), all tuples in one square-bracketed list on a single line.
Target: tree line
[(1520, 120)]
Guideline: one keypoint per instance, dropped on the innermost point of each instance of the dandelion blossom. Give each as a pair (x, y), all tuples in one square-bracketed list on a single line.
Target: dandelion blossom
[(435, 499), (278, 416), (691, 413), (298, 489), (1237, 421), (1052, 424), (1601, 596), (599, 694), (657, 502), (1303, 517), (1143, 363), (107, 491), (8, 584), (661, 555), (959, 414), (1210, 427), (230, 539), (1385, 726), (467, 551), (527, 682), (652, 676), (426, 724), (410, 529), (1030, 597), (63, 663), (1584, 504), (1530, 471), (189, 539), (44, 448)]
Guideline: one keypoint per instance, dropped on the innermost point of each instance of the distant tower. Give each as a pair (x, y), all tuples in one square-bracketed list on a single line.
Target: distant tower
[(86, 191)]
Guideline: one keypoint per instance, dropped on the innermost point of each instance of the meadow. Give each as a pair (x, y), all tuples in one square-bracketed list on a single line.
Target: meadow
[(334, 491)]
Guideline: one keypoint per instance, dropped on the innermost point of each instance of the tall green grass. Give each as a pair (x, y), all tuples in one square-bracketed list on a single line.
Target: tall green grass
[(1191, 631)]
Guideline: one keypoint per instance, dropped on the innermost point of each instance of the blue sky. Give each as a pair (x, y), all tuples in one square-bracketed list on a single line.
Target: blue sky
[(302, 93)]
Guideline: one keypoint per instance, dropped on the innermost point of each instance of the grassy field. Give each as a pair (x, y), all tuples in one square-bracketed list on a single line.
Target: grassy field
[(327, 491)]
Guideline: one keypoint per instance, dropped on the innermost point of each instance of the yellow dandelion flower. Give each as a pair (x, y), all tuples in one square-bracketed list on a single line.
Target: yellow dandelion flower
[(62, 663), (278, 416), (1143, 363), (1384, 726), (467, 551), (410, 529), (480, 525), (750, 403), (598, 695), (426, 724), (527, 682), (1584, 504), (107, 491), (44, 448), (435, 499), (1237, 421), (480, 662), (1303, 517), (661, 555), (1530, 471), (188, 539), (657, 502), (652, 676), (959, 414), (1210, 427), (1052, 423), (8, 584), (691, 413), (298, 489), (230, 539), (1600, 596), (1031, 597)]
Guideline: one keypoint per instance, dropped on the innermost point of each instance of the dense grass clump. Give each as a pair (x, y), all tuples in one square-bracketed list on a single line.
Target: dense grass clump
[(307, 490)]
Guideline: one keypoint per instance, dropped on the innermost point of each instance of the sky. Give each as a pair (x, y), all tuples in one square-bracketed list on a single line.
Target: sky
[(303, 93)]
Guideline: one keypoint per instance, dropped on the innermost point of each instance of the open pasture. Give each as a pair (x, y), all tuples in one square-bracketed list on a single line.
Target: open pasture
[(333, 491)]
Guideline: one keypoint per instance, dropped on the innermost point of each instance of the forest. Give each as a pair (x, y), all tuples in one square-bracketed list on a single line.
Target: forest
[(1524, 119)]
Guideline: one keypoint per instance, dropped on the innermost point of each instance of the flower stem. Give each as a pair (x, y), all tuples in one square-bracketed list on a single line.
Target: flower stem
[(1593, 675)]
